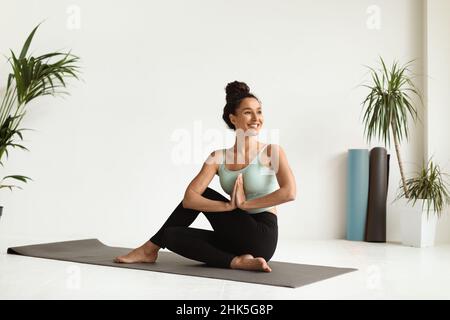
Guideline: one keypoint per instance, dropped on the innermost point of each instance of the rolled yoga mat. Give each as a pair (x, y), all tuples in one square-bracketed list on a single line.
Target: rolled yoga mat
[(378, 188), (92, 251), (357, 193)]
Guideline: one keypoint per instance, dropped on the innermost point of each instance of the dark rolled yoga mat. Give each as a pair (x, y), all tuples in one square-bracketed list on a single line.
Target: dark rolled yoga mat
[(378, 188)]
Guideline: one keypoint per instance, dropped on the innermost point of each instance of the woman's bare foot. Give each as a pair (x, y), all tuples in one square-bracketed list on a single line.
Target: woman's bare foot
[(248, 262), (147, 253)]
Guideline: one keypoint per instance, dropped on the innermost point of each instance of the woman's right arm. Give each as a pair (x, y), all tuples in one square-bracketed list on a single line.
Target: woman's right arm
[(193, 198)]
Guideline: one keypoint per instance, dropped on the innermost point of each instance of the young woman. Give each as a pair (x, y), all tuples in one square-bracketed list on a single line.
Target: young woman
[(256, 176)]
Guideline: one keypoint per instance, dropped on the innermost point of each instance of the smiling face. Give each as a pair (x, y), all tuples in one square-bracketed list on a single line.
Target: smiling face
[(248, 117)]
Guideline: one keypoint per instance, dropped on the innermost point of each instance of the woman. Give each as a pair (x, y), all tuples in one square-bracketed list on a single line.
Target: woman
[(245, 227)]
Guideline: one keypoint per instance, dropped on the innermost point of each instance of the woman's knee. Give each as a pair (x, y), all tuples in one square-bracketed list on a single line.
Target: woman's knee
[(265, 252), (269, 256)]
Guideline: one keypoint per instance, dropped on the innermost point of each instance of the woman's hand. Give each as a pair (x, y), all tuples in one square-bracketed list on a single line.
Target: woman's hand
[(232, 204), (240, 193)]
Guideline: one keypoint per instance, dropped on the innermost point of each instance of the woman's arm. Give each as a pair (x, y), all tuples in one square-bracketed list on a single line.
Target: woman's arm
[(193, 198), (286, 181)]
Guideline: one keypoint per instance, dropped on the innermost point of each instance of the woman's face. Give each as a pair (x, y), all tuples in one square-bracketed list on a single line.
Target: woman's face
[(249, 117)]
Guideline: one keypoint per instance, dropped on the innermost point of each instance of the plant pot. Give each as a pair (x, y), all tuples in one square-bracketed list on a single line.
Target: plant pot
[(418, 228)]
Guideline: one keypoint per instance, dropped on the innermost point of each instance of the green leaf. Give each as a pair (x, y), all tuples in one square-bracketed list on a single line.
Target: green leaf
[(27, 43), (18, 177)]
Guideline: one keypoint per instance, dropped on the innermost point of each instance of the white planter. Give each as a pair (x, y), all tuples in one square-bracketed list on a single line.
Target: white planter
[(418, 229)]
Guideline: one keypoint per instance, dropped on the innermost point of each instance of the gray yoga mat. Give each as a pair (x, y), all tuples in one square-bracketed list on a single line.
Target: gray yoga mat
[(92, 251)]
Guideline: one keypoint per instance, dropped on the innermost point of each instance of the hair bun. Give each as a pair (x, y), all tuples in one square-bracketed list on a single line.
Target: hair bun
[(235, 90)]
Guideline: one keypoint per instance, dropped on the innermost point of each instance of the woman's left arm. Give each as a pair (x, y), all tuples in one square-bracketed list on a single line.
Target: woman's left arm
[(286, 181)]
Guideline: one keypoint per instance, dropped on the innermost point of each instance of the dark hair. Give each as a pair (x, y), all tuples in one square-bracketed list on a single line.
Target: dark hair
[(236, 92)]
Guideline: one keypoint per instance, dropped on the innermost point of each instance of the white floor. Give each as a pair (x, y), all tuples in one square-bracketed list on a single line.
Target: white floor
[(385, 271)]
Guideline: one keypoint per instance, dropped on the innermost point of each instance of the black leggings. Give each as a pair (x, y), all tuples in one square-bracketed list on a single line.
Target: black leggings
[(236, 232)]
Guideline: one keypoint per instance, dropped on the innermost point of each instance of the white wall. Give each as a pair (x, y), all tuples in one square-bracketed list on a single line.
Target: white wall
[(438, 92), (101, 159)]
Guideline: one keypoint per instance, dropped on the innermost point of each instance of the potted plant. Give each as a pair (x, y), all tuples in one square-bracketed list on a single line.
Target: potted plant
[(427, 189), (387, 107), (31, 77), (8, 132)]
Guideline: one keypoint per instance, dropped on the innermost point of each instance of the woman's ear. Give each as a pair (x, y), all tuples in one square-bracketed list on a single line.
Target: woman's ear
[(232, 119)]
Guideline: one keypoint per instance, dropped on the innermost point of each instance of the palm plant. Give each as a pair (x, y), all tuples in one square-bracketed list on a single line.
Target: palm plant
[(429, 185), (388, 105), (8, 131), (31, 77)]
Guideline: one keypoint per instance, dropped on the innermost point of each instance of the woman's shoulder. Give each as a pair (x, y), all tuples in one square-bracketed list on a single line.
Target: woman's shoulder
[(270, 155), (217, 154), (272, 148), (215, 158)]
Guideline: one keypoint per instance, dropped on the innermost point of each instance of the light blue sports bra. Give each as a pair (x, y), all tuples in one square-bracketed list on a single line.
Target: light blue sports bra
[(259, 180)]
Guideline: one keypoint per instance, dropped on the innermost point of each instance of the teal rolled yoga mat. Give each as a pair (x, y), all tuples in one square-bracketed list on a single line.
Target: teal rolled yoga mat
[(357, 193)]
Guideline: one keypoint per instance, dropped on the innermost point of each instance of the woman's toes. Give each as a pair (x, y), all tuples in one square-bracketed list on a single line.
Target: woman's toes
[(118, 260), (264, 265)]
